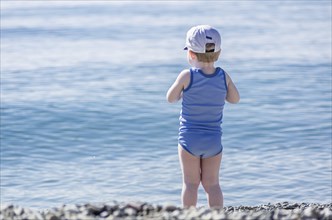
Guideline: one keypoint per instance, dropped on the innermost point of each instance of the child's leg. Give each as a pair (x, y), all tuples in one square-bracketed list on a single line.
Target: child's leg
[(191, 174), (210, 181)]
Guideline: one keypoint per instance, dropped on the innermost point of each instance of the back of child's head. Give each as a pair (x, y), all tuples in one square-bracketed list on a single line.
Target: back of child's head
[(208, 57), (205, 42)]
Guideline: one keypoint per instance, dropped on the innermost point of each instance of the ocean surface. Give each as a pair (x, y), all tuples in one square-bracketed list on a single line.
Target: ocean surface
[(84, 117)]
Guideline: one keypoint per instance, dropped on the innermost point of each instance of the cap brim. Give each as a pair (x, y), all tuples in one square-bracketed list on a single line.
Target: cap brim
[(185, 48)]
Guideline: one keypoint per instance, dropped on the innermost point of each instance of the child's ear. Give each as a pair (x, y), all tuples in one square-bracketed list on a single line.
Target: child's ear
[(192, 55)]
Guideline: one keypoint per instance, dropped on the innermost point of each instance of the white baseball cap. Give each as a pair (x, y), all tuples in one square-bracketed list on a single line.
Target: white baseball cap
[(199, 36)]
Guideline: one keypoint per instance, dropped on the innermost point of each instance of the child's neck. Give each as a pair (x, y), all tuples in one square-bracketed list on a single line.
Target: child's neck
[(207, 68)]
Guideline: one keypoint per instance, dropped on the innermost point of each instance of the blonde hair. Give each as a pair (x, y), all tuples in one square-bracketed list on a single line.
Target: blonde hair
[(208, 57)]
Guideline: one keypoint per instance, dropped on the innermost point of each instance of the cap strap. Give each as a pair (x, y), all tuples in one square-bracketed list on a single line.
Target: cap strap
[(209, 51)]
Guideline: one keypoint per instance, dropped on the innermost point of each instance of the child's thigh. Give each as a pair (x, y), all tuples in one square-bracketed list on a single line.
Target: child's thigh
[(190, 165), (210, 169)]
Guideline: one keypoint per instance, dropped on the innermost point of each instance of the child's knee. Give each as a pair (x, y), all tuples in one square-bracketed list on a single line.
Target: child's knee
[(191, 185), (210, 186)]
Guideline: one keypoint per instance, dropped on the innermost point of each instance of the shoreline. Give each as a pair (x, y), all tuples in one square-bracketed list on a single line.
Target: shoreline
[(142, 210)]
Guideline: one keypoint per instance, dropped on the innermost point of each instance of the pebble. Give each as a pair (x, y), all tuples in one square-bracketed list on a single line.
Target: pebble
[(146, 211)]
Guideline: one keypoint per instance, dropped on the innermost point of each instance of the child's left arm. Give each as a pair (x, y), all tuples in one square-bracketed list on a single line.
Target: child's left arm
[(175, 92)]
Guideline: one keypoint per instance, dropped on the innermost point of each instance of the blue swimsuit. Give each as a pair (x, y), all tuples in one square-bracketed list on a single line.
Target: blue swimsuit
[(201, 114)]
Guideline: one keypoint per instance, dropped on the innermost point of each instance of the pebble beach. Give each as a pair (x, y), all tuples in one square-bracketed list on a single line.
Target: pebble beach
[(142, 210)]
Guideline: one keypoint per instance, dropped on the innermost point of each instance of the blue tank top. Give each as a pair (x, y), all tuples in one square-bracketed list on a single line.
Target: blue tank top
[(203, 102)]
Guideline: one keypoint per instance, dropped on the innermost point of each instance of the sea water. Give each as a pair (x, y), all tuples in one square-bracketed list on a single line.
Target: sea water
[(84, 116)]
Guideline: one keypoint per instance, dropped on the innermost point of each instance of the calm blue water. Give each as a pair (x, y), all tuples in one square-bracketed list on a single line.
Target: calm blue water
[(84, 116)]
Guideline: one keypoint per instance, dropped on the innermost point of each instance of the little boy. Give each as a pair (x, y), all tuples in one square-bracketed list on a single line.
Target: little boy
[(203, 89)]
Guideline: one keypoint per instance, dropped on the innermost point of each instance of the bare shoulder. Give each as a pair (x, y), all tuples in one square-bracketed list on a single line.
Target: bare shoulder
[(185, 74)]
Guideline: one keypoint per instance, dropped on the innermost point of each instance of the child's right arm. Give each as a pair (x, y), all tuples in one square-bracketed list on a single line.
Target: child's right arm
[(174, 93)]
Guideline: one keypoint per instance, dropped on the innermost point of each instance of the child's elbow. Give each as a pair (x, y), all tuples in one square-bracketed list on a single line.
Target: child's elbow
[(171, 99), (233, 100), (237, 100)]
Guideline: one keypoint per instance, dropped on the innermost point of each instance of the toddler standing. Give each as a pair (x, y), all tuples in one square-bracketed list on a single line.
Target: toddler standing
[(203, 89)]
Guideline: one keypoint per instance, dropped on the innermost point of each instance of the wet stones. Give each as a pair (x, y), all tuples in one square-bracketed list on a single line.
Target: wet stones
[(145, 211)]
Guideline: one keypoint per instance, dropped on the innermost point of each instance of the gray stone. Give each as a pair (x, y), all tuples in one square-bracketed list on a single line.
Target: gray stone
[(220, 216), (326, 213), (169, 208), (104, 214), (53, 217), (130, 211), (207, 216)]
